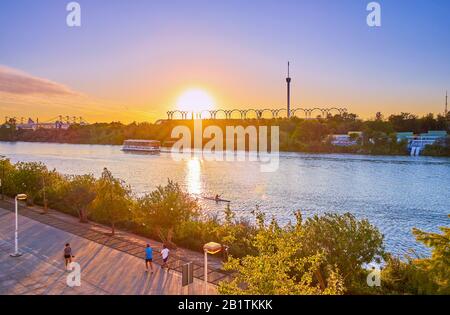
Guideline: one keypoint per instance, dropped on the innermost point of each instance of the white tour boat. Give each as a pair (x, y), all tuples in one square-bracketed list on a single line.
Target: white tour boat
[(141, 145)]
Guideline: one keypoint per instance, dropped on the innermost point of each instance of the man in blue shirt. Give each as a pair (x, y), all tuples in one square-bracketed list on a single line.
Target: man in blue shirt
[(148, 258)]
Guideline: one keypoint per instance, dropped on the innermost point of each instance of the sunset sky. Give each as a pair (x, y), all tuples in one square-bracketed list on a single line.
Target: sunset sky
[(131, 60)]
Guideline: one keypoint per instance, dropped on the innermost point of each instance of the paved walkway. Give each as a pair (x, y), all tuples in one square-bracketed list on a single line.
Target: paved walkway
[(104, 269), (126, 242)]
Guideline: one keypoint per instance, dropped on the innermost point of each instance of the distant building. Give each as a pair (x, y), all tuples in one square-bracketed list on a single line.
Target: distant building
[(430, 137), (31, 125), (435, 134), (346, 140), (401, 136), (417, 143)]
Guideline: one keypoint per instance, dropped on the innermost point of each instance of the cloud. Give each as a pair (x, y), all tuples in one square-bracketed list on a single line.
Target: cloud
[(24, 95), (17, 82)]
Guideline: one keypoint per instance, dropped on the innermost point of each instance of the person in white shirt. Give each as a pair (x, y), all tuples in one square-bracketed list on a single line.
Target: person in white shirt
[(165, 256)]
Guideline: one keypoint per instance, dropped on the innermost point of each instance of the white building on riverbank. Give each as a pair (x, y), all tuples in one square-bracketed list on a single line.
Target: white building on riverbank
[(416, 143), (58, 124)]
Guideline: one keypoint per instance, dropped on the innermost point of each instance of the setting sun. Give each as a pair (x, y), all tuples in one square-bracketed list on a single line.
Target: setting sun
[(195, 100)]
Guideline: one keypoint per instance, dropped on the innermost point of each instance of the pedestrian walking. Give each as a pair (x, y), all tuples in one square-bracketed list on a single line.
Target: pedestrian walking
[(165, 256), (148, 258), (68, 255)]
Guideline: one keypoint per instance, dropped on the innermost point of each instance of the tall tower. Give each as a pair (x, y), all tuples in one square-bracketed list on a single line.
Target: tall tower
[(446, 104), (288, 81)]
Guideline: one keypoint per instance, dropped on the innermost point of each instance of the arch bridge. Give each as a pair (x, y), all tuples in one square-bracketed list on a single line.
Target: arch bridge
[(251, 113)]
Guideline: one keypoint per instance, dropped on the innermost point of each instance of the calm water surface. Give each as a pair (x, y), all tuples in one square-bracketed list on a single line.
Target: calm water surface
[(393, 193)]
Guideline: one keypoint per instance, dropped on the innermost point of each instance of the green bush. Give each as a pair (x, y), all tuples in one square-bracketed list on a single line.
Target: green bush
[(278, 268), (113, 201), (344, 242), (166, 208), (429, 275), (28, 178), (323, 255)]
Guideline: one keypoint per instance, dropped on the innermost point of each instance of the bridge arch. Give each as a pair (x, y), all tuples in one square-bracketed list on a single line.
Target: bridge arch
[(335, 110), (177, 114), (323, 112), (220, 114), (297, 112), (282, 113), (205, 114), (236, 114), (251, 114), (255, 113), (266, 114)]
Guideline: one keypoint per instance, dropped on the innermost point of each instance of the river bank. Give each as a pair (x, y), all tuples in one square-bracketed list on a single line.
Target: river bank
[(394, 193), (319, 148), (330, 241), (376, 137)]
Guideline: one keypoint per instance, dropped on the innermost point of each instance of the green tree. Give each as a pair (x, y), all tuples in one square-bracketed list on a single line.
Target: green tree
[(166, 208), (277, 268), (113, 200), (28, 178), (429, 275), (236, 234), (6, 175), (310, 131), (344, 242), (79, 195), (49, 179), (8, 130)]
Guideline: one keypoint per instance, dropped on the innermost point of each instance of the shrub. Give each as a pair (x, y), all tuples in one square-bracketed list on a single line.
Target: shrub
[(166, 208), (28, 178), (344, 242), (421, 275), (79, 194), (277, 268), (113, 200)]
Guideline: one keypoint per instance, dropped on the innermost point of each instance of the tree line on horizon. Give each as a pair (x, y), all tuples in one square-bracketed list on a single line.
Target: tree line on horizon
[(296, 134)]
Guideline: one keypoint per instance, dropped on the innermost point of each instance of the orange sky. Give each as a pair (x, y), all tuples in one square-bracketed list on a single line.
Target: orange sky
[(142, 103), (132, 61)]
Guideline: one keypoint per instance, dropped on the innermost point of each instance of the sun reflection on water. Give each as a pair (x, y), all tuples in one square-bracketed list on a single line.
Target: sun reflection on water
[(193, 181)]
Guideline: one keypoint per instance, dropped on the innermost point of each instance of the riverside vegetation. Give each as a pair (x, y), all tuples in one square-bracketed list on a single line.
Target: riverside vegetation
[(319, 255), (296, 135)]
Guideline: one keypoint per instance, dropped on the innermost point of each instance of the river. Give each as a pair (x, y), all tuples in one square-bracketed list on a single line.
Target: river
[(393, 193)]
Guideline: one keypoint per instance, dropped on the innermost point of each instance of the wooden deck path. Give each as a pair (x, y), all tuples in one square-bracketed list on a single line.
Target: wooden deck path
[(124, 242), (104, 269)]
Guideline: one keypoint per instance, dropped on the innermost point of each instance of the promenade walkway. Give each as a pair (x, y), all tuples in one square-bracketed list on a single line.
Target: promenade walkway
[(109, 265)]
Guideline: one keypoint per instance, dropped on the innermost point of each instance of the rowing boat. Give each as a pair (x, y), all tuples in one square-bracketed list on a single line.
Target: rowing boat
[(216, 200)]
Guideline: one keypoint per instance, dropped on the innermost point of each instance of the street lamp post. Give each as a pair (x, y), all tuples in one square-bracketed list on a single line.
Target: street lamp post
[(2, 180), (16, 234), (45, 195), (209, 248)]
